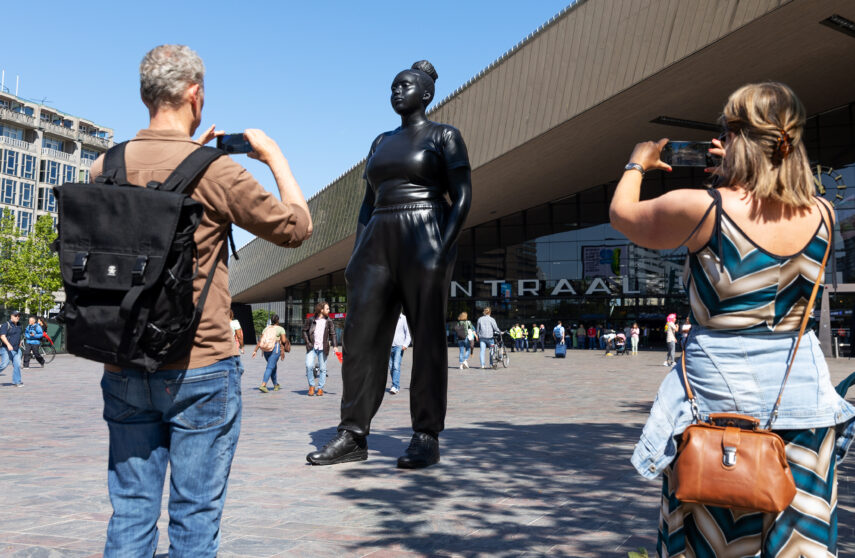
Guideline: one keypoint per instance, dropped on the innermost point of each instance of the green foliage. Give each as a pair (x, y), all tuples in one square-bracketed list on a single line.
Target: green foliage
[(259, 319), (29, 270), (640, 553)]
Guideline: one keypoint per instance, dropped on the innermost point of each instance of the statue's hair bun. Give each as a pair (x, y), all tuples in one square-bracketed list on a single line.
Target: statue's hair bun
[(427, 68)]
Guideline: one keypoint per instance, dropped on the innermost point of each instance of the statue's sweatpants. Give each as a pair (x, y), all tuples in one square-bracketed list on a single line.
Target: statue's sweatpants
[(397, 263)]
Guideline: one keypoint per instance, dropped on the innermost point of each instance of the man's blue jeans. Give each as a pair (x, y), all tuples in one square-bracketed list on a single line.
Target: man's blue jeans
[(189, 419), (484, 344), (15, 358), (310, 367), (395, 366), (272, 361)]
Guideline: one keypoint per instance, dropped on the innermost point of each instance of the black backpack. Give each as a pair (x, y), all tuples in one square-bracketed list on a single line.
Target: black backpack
[(461, 330), (128, 260)]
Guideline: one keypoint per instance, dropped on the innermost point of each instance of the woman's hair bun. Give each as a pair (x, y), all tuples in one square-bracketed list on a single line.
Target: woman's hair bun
[(426, 67)]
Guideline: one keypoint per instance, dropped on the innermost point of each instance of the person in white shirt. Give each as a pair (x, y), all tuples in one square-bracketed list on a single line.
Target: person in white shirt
[(400, 343), (237, 331)]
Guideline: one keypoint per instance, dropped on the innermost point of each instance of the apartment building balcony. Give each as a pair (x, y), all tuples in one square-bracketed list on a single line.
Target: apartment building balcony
[(85, 163), (89, 139), (57, 130), (17, 118), (19, 144), (54, 154)]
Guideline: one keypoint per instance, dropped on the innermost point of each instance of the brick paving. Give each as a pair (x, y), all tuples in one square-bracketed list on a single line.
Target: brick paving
[(535, 462)]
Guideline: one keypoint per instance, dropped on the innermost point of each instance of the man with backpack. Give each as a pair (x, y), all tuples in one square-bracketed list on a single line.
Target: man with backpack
[(186, 412), (32, 339), (319, 335), (10, 350)]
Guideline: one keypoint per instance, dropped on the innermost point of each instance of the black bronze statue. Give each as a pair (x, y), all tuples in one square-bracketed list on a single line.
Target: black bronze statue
[(406, 244)]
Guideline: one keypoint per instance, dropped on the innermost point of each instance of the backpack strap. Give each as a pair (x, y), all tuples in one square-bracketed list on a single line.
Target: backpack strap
[(189, 172), (191, 169), (114, 165)]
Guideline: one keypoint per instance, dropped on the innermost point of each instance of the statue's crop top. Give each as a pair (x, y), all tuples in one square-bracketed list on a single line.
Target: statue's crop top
[(411, 164)]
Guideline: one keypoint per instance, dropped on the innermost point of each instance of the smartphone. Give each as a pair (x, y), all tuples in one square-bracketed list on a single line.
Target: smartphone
[(689, 154), (233, 143)]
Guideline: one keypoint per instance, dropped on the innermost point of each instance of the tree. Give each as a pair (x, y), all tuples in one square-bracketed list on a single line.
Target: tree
[(29, 270), (260, 318)]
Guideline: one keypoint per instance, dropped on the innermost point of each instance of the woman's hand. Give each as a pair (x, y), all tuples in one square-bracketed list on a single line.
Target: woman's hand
[(718, 151), (253, 354), (647, 154)]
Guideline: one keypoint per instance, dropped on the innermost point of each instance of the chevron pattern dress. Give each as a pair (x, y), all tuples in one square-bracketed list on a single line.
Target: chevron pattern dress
[(735, 285), (808, 527)]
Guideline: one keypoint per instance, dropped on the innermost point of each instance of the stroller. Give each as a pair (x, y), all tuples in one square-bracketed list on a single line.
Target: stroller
[(620, 344)]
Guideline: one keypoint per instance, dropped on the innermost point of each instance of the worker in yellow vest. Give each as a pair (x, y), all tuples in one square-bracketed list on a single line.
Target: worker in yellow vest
[(536, 339), (516, 335), (525, 337)]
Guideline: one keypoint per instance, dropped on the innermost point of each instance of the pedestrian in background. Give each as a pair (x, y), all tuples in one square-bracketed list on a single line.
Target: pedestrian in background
[(516, 337), (591, 334), (537, 336), (525, 337), (558, 333), (633, 336), (670, 338), (272, 345), (685, 329), (319, 336), (237, 332), (400, 342), (32, 340), (580, 336), (465, 336), (487, 328), (10, 336)]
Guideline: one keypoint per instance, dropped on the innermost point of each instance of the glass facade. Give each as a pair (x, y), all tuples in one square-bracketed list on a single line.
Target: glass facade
[(563, 261)]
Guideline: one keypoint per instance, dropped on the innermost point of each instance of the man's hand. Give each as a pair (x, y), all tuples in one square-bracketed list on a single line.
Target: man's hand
[(264, 148), (210, 134)]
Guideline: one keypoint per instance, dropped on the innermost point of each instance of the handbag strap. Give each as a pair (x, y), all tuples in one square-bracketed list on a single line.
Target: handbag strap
[(808, 310)]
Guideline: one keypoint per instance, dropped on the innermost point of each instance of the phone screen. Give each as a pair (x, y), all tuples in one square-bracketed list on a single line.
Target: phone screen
[(233, 143), (688, 154)]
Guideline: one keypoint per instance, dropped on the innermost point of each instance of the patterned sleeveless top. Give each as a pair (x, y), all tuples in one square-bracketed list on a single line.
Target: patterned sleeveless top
[(733, 284)]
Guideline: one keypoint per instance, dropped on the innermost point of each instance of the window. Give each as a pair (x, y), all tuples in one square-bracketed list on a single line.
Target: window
[(9, 192), (51, 201), (11, 132), (88, 154), (25, 220), (49, 172), (69, 173), (26, 195), (28, 166), (10, 162), (52, 143)]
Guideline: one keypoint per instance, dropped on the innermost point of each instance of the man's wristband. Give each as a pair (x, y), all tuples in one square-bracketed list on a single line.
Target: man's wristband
[(634, 166)]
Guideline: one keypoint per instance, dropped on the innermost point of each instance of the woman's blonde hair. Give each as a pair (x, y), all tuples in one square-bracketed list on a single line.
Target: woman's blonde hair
[(463, 316), (765, 150)]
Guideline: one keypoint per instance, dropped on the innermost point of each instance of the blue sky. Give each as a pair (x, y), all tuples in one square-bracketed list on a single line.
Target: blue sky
[(314, 75)]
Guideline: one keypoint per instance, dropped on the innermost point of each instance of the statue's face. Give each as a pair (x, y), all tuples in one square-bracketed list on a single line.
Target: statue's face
[(407, 93)]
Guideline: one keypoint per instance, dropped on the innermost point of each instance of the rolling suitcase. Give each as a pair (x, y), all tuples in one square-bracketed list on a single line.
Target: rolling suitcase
[(560, 350)]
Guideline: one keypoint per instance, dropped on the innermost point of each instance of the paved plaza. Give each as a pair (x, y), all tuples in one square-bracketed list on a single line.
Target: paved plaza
[(535, 462)]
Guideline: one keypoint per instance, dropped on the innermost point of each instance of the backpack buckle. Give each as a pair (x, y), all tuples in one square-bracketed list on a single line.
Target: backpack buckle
[(139, 270), (78, 268)]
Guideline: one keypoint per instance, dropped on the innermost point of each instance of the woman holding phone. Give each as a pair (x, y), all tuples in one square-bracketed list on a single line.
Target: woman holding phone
[(756, 245)]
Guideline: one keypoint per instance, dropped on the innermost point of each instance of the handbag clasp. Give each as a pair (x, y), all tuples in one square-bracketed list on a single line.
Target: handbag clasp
[(729, 457)]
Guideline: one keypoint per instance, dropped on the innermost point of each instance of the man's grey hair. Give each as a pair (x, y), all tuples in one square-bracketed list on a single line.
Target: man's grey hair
[(165, 73)]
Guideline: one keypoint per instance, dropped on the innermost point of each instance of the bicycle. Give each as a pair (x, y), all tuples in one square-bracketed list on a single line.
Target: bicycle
[(498, 352), (47, 350)]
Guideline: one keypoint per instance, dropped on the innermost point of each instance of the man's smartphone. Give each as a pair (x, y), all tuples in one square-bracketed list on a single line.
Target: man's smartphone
[(688, 154), (233, 143)]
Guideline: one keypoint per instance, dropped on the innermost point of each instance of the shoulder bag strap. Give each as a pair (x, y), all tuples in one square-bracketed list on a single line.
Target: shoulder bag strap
[(805, 318), (191, 169)]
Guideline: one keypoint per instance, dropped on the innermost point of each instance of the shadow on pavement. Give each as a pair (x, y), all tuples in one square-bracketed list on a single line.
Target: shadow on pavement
[(520, 489)]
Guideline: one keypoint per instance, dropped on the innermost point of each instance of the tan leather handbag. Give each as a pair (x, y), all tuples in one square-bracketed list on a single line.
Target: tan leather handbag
[(728, 461)]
